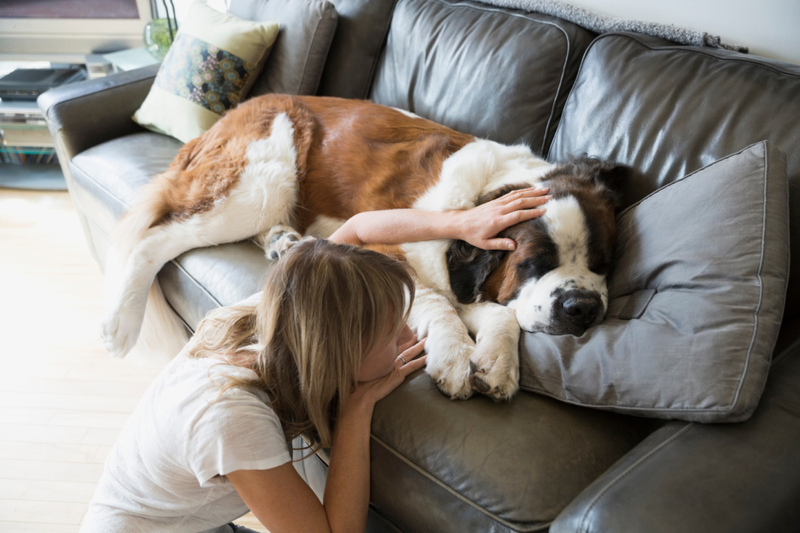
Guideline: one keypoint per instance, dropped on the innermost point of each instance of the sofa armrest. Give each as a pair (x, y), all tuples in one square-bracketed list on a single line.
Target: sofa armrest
[(85, 114), (707, 478)]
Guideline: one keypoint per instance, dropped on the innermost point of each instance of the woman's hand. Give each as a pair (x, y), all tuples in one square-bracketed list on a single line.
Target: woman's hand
[(479, 226), (370, 392)]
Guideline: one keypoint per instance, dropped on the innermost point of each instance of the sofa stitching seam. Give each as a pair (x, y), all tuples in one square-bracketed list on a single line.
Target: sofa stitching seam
[(582, 524), (454, 492), (696, 49), (308, 55), (680, 180), (757, 310)]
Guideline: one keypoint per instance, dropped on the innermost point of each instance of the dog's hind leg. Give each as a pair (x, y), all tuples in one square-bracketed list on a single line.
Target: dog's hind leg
[(127, 298), (277, 240), (264, 196)]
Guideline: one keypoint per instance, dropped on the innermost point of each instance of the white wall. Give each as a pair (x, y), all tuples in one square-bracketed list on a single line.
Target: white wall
[(769, 28)]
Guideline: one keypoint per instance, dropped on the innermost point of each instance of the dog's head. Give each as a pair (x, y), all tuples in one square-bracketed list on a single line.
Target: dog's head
[(555, 279)]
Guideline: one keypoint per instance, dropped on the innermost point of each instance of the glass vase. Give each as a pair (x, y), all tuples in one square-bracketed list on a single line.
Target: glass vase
[(157, 39)]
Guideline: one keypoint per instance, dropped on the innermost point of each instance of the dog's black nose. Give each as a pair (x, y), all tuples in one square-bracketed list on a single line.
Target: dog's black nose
[(580, 307)]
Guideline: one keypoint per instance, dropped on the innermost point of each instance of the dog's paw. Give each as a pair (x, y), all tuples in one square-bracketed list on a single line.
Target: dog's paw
[(451, 372), (118, 339), (279, 240), (496, 377)]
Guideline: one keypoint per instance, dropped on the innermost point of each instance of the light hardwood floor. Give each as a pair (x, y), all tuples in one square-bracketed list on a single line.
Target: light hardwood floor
[(63, 400)]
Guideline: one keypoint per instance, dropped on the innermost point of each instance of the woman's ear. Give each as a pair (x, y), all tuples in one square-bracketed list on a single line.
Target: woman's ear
[(469, 269)]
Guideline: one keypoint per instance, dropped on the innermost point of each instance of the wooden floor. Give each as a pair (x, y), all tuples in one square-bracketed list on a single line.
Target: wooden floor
[(63, 400)]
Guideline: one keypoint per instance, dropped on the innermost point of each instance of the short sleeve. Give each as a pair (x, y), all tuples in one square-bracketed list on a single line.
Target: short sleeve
[(239, 431)]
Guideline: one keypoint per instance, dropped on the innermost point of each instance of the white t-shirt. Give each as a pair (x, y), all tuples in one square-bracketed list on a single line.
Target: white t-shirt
[(165, 473)]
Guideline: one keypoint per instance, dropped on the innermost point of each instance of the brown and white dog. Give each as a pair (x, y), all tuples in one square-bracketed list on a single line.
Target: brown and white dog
[(279, 164)]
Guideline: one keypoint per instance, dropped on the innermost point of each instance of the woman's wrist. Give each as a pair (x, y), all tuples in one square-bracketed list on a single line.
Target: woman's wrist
[(453, 224)]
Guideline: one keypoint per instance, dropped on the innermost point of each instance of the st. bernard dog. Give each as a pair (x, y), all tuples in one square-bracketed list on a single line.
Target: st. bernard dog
[(310, 163)]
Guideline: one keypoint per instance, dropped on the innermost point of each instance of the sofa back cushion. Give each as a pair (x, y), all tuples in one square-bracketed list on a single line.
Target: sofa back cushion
[(357, 44), (496, 73), (669, 110), (298, 56)]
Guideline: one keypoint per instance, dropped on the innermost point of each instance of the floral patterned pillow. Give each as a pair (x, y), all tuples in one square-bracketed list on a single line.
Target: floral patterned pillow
[(209, 68)]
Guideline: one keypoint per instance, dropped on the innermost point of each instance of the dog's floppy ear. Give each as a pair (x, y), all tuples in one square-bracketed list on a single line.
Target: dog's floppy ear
[(608, 174), (469, 269), (469, 266)]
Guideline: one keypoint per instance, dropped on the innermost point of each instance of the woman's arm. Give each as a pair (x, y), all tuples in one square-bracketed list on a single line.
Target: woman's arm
[(477, 226), (282, 501)]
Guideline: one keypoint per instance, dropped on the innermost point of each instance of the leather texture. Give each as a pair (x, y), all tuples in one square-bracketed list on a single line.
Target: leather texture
[(90, 112), (353, 57), (298, 55), (454, 466), (693, 478), (669, 110), (472, 67)]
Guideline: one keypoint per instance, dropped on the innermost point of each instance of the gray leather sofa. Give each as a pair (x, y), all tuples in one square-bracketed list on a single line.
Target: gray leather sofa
[(532, 464)]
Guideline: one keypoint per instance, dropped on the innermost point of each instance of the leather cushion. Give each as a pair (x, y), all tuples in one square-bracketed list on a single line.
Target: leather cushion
[(453, 466), (298, 56), (668, 110), (360, 34), (494, 73), (695, 300)]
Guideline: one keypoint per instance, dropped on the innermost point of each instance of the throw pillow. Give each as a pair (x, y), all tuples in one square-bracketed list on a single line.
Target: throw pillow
[(695, 300), (209, 68)]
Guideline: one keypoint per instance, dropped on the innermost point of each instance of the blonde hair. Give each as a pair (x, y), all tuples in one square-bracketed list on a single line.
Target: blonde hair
[(324, 307)]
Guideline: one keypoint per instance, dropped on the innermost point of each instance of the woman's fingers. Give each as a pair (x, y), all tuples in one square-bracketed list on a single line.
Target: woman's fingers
[(412, 366), (409, 354), (532, 192), (527, 202)]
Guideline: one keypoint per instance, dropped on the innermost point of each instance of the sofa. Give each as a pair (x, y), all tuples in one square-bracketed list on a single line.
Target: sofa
[(533, 463)]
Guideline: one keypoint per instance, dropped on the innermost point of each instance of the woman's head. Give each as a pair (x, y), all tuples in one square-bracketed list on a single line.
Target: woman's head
[(326, 309)]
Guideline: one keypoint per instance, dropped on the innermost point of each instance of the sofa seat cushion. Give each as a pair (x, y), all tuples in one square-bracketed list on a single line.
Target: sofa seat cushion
[(669, 110), (453, 466), (495, 73)]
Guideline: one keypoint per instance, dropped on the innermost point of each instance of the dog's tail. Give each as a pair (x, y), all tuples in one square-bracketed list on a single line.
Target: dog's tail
[(152, 207), (163, 334)]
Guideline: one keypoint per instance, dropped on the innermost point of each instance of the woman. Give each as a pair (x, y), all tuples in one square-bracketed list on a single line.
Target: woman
[(309, 356)]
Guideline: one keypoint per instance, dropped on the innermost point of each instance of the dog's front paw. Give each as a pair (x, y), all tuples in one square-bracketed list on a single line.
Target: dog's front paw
[(496, 376), (279, 240), (450, 371)]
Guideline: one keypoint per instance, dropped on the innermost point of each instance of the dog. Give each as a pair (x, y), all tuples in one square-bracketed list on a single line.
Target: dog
[(278, 167)]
